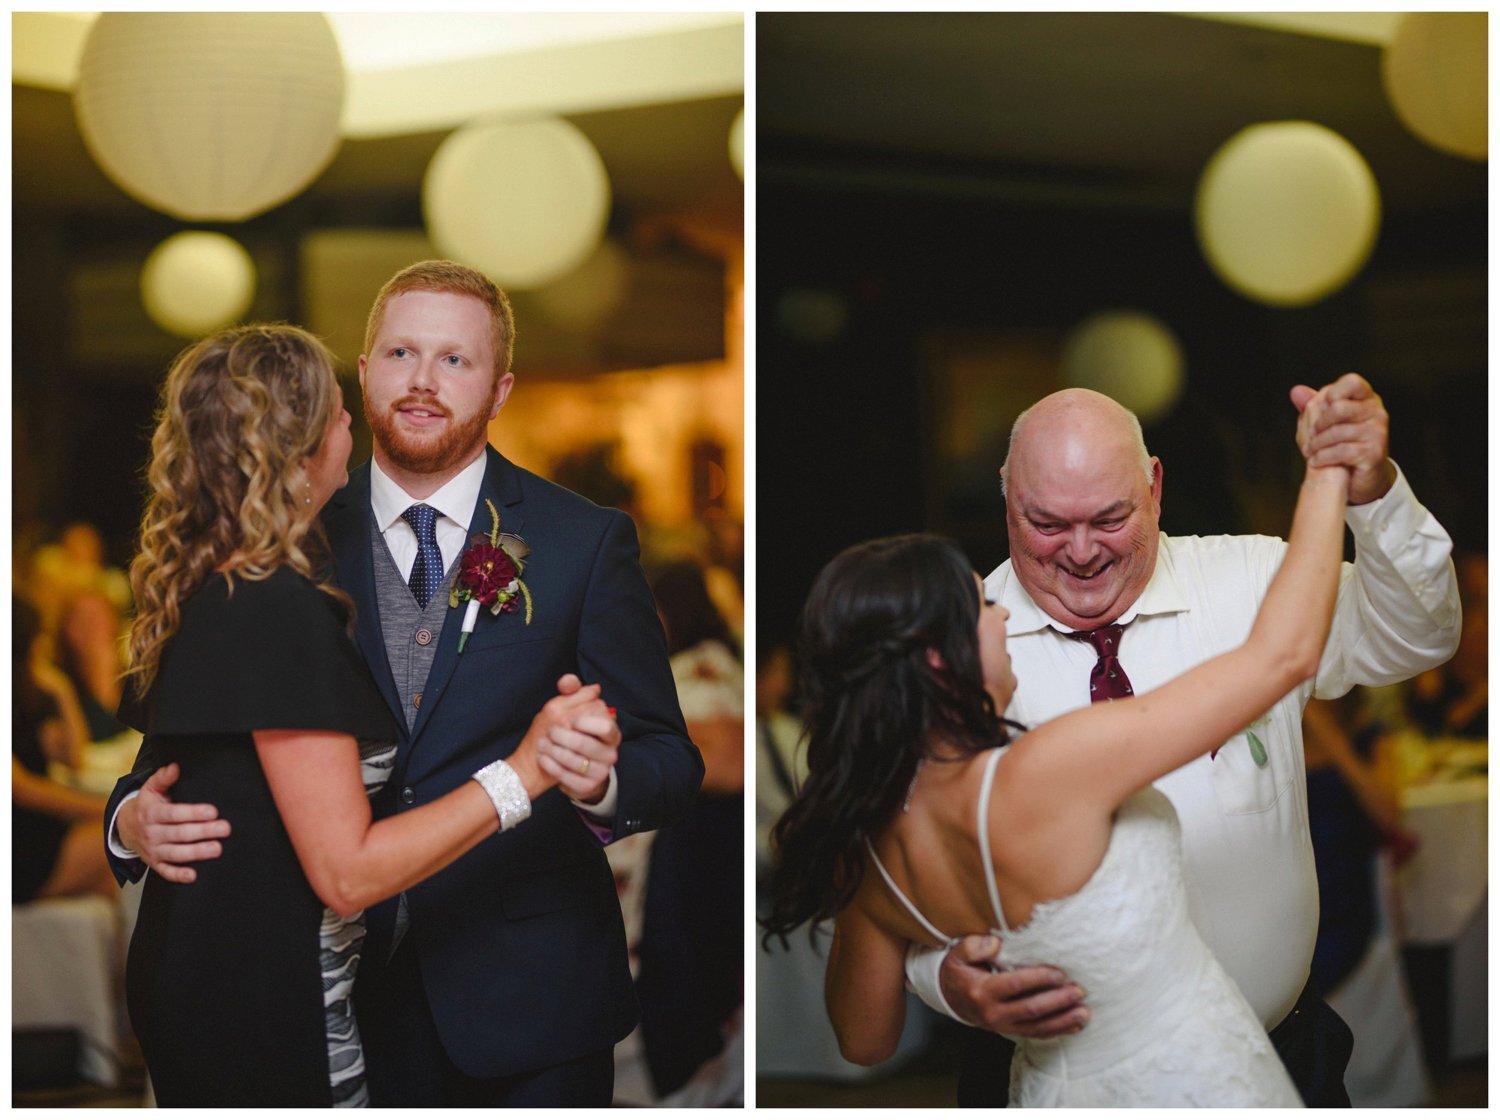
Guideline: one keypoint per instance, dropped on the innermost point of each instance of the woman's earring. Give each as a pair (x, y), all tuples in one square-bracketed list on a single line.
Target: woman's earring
[(307, 493)]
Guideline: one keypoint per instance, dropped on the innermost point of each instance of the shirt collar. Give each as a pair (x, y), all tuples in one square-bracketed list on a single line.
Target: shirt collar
[(1162, 595), (455, 499)]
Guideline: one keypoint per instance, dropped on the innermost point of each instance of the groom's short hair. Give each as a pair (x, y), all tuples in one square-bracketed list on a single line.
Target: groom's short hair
[(459, 279)]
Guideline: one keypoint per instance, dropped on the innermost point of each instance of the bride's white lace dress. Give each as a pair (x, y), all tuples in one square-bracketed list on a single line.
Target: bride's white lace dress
[(1167, 1026)]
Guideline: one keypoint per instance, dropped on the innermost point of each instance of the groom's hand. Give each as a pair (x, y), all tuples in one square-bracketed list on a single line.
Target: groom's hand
[(580, 742), (168, 835), (1027, 1002)]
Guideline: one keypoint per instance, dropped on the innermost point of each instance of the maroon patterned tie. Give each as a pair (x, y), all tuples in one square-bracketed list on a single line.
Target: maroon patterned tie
[(1108, 680)]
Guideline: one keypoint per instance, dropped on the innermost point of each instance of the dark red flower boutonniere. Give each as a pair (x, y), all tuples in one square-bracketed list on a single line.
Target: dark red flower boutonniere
[(489, 574)]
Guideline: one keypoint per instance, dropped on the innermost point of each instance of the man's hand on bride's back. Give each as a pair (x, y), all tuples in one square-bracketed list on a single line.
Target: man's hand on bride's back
[(1025, 1002), (169, 836)]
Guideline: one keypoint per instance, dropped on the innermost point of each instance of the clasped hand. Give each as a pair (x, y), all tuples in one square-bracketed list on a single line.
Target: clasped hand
[(1034, 1002), (575, 739)]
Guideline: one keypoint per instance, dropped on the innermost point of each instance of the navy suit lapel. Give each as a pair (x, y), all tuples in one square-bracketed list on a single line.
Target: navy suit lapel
[(501, 485), (346, 520)]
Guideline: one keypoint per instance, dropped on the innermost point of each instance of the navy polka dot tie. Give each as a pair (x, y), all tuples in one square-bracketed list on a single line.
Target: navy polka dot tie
[(427, 572), (1108, 680)]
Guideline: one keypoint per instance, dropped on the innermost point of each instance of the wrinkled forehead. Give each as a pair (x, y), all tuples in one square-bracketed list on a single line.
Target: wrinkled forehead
[(1077, 474)]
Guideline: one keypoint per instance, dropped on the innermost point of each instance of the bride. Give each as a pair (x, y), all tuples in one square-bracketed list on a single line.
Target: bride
[(910, 829)]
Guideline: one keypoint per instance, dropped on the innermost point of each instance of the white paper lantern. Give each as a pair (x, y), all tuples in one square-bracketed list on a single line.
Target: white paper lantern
[(1287, 212), (211, 115), (737, 143), (1129, 356), (1436, 74), (196, 282), (524, 202), (583, 297)]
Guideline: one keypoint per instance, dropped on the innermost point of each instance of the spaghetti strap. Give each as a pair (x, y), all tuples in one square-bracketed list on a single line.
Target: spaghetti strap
[(911, 909), (983, 835)]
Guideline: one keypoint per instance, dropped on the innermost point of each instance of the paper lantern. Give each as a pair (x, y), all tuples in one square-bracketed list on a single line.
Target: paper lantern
[(211, 115), (737, 143), (1129, 356), (196, 282), (1436, 74), (582, 298), (524, 202), (1287, 212)]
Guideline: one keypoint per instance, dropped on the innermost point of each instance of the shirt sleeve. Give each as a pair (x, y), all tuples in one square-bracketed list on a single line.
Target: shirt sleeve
[(922, 965), (1398, 608)]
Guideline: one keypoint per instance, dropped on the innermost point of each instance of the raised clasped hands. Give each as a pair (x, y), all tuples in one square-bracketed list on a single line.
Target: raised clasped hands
[(1037, 1002), (1344, 424), (575, 740)]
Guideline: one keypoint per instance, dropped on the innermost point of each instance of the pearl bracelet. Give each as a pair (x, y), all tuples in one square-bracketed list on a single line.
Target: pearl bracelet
[(503, 785)]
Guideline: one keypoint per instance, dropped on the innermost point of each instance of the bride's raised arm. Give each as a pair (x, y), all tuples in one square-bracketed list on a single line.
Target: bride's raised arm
[(1106, 752)]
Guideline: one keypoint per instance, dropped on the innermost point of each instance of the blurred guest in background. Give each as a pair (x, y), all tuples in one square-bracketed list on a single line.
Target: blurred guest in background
[(1453, 699), (780, 757), (1353, 810), (57, 832), (691, 980), (88, 651)]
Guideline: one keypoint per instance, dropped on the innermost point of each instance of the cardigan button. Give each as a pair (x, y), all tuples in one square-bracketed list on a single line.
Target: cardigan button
[(424, 637)]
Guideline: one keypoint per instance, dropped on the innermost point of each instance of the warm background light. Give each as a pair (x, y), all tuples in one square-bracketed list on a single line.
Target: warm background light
[(1129, 356), (1287, 212), (211, 116), (196, 282), (1436, 73), (526, 201)]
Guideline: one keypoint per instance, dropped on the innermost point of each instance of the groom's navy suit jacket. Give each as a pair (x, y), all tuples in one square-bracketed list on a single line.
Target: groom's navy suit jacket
[(520, 941)]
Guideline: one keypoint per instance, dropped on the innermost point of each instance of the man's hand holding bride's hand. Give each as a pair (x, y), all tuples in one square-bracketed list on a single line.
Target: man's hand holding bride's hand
[(573, 741), (168, 835), (1026, 1002)]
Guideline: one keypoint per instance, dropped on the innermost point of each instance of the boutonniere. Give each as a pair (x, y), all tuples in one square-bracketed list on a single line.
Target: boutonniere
[(1257, 748), (489, 574)]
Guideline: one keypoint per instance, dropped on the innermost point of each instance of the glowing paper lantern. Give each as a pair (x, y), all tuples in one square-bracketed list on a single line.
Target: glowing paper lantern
[(591, 291), (196, 282), (737, 143), (1287, 212), (211, 115), (1436, 73), (1129, 356), (525, 203)]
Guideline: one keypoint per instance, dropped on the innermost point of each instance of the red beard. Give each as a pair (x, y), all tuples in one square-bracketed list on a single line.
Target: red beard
[(421, 454)]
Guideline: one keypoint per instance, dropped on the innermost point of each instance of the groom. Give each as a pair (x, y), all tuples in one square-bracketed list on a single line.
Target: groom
[(1083, 499), (503, 979)]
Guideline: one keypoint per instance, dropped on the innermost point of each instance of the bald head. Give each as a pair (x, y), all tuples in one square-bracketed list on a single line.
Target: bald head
[(1075, 419), (1082, 507)]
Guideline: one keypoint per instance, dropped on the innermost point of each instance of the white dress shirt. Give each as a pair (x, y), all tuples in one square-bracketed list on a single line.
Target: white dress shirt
[(1252, 886)]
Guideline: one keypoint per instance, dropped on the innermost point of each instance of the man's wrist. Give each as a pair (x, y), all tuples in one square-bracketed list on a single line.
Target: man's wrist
[(116, 843)]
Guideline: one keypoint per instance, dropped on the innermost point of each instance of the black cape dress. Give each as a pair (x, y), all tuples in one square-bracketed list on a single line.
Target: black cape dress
[(223, 981)]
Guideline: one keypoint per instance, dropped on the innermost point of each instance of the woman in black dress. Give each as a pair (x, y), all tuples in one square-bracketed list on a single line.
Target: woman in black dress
[(246, 683)]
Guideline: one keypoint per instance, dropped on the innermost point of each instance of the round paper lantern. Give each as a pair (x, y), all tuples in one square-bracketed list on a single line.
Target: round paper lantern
[(737, 143), (591, 291), (1129, 356), (1436, 74), (524, 202), (196, 282), (1287, 212), (211, 115)]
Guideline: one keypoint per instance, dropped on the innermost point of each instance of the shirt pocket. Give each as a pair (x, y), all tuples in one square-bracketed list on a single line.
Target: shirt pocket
[(1241, 784)]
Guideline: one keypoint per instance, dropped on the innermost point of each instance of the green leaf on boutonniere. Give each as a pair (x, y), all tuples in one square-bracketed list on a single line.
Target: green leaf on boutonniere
[(1257, 749)]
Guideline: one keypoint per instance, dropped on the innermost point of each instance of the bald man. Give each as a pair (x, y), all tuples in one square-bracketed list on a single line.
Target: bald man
[(1083, 503)]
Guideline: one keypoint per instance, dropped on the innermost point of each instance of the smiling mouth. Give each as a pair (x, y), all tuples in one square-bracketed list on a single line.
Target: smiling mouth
[(1089, 577), (418, 412)]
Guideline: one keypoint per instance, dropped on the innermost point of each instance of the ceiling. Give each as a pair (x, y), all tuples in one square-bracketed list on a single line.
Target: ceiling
[(1102, 108)]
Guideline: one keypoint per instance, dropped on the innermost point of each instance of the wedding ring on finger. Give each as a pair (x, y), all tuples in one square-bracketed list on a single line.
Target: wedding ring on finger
[(585, 768)]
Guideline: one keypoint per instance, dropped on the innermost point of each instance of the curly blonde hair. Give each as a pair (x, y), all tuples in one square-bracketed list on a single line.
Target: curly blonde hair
[(456, 279), (241, 412)]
